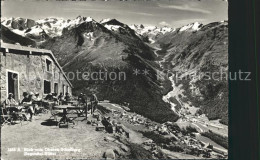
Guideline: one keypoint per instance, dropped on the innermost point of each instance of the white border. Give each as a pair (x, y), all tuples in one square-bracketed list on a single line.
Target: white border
[(7, 89)]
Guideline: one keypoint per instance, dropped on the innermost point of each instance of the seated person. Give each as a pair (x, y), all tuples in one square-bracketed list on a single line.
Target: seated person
[(81, 98), (27, 101), (54, 97), (49, 97), (37, 101), (35, 106), (60, 98), (67, 97), (10, 101), (36, 97)]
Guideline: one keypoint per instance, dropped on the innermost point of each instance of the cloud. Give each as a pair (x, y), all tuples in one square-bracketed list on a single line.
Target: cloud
[(105, 11), (185, 8), (141, 13), (163, 23), (187, 21), (183, 22), (85, 9)]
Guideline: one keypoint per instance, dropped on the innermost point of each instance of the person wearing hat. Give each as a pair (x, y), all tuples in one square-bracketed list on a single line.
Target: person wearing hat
[(10, 100)]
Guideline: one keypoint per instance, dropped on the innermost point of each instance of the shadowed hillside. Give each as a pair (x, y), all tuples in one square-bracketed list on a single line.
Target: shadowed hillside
[(203, 53)]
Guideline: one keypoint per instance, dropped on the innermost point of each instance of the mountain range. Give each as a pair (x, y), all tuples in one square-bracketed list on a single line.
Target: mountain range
[(85, 45)]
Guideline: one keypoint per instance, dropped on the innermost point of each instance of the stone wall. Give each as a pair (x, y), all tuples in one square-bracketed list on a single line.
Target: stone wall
[(31, 71)]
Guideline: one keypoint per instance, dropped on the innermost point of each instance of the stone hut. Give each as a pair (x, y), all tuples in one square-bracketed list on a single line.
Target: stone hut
[(26, 69)]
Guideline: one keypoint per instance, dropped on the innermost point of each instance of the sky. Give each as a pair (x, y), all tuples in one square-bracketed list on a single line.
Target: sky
[(172, 13)]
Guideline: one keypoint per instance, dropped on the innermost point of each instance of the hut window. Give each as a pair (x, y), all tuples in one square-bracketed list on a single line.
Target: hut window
[(48, 65), (68, 89), (64, 89)]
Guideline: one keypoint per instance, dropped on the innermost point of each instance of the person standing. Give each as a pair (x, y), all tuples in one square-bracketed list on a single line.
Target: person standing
[(81, 98), (49, 97), (94, 101), (67, 97)]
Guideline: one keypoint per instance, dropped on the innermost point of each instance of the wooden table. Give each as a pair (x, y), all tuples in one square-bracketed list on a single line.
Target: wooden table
[(13, 108), (83, 109), (65, 118)]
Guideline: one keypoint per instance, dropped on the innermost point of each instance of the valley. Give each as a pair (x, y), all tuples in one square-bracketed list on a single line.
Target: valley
[(187, 112), (139, 129)]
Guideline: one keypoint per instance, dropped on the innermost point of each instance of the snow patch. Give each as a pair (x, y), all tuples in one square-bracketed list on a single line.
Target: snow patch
[(193, 26), (140, 29), (112, 27), (88, 35), (105, 20)]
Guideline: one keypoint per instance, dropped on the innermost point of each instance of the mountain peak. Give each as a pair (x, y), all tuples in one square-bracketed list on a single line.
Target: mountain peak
[(105, 20), (84, 19), (192, 26), (113, 22), (141, 29)]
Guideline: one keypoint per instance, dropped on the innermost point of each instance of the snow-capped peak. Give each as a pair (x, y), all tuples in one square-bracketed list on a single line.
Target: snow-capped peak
[(112, 24), (105, 20), (89, 19), (141, 29), (192, 26), (52, 26), (152, 32)]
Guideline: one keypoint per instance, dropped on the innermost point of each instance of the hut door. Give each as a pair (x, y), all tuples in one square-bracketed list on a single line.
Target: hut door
[(47, 87), (13, 84)]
